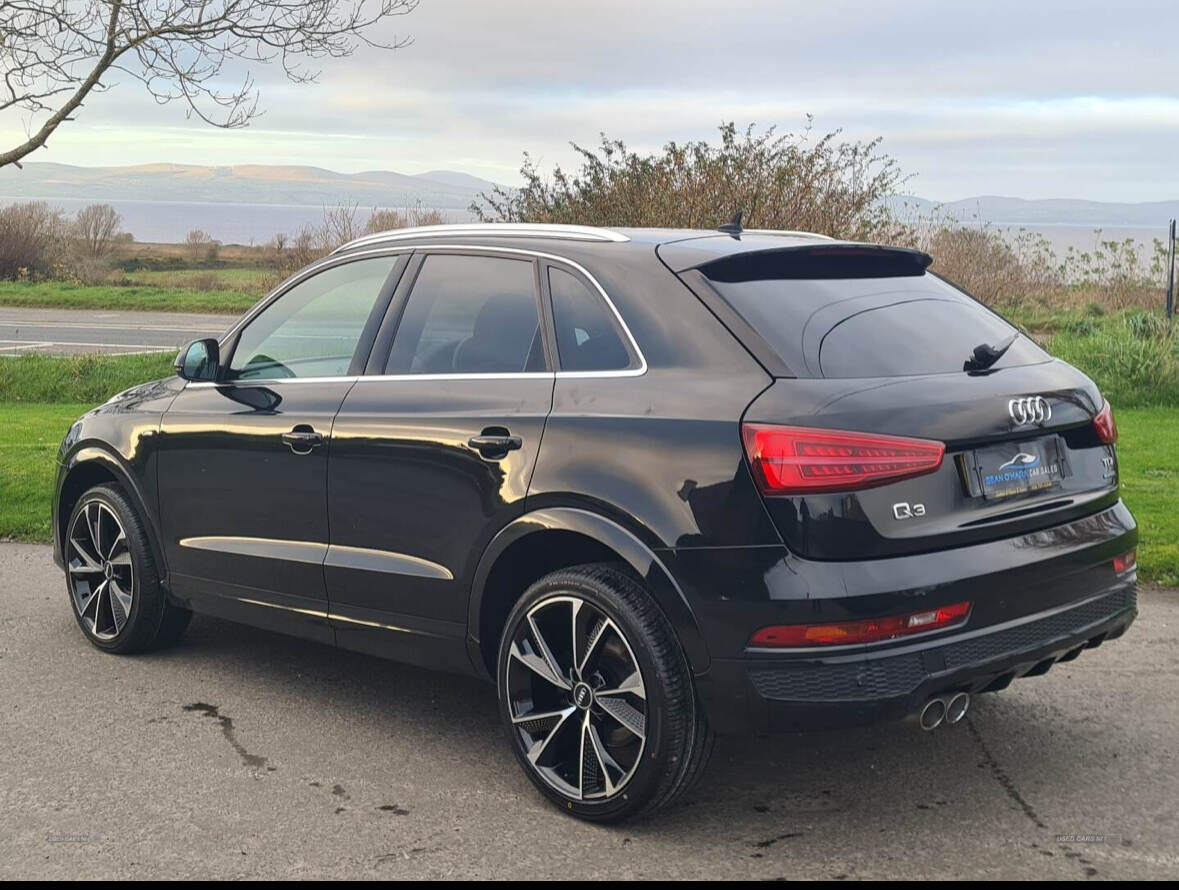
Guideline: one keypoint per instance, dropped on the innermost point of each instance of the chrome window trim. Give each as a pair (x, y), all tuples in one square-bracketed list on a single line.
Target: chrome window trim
[(498, 230), (333, 259)]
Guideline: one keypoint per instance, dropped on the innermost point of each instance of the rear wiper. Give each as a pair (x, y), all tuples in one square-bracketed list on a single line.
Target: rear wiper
[(985, 355)]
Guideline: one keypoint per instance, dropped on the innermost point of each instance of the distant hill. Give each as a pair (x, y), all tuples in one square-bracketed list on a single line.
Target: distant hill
[(243, 184), (1045, 212), (453, 190)]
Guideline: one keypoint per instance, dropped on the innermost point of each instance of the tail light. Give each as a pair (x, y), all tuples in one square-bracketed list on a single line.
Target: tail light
[(869, 630), (800, 460), (1125, 562), (1107, 429)]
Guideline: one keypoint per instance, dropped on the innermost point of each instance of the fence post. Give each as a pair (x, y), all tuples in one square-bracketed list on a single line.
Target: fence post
[(1171, 272)]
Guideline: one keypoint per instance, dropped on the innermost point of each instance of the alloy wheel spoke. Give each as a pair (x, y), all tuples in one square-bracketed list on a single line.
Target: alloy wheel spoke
[(540, 715), (632, 685), (117, 592), (605, 761), (90, 562), (539, 747), (598, 632), (538, 666), (547, 654), (94, 520), (92, 603), (574, 608), (119, 544), (631, 718)]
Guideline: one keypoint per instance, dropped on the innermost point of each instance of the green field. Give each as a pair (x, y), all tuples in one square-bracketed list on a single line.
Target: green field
[(30, 432)]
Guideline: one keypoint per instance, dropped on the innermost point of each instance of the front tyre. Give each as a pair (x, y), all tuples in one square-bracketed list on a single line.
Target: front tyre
[(596, 695), (111, 576)]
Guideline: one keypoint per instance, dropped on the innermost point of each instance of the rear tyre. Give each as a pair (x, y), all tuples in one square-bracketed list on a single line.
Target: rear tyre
[(111, 576), (597, 697)]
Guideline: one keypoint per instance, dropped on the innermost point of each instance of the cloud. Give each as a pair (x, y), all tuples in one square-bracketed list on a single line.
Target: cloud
[(1035, 99)]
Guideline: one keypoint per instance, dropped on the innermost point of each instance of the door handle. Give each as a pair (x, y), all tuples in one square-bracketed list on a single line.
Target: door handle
[(495, 442), (302, 439)]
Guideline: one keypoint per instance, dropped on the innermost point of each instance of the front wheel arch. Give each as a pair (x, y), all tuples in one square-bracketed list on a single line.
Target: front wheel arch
[(90, 466)]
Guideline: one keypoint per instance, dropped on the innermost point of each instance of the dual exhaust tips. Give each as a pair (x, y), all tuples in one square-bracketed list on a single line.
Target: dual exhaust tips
[(946, 709)]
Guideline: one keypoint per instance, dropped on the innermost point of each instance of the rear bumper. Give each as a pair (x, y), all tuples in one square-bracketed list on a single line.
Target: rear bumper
[(848, 690), (1036, 599)]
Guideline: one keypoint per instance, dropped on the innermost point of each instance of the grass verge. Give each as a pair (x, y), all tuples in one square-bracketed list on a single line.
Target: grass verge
[(80, 378), (29, 436), (59, 295), (1148, 457), (1148, 453)]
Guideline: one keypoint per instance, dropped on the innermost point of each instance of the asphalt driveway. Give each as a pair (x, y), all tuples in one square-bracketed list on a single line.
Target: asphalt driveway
[(242, 754)]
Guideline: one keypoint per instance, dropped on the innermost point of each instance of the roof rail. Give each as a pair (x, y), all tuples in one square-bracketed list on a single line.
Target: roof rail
[(507, 230), (789, 232)]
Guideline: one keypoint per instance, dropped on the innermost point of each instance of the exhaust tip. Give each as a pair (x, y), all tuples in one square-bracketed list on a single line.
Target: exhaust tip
[(957, 707), (932, 714)]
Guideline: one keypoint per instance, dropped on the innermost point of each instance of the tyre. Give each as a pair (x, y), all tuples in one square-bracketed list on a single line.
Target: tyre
[(596, 696), (112, 579)]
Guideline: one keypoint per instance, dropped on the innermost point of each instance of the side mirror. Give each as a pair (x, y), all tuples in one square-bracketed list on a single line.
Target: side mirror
[(198, 360)]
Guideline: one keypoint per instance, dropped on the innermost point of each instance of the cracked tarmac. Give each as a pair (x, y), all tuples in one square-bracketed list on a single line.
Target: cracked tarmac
[(243, 754)]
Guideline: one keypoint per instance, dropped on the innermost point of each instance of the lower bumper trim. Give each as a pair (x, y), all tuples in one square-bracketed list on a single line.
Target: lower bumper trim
[(885, 676)]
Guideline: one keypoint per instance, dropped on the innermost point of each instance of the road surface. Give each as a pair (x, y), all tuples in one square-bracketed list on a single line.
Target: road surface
[(74, 331), (243, 754)]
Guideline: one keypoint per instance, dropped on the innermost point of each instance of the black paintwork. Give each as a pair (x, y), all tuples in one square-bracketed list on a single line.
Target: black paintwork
[(394, 535)]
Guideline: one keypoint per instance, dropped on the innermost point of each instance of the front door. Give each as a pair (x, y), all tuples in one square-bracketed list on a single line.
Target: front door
[(432, 453), (243, 461)]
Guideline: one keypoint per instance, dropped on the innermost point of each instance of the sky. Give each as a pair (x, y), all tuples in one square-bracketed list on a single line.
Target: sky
[(1032, 99)]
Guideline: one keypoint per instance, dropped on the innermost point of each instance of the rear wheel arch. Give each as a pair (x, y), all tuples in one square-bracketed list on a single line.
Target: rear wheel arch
[(544, 541)]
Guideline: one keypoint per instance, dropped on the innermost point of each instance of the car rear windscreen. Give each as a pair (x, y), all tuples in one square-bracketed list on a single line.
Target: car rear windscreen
[(865, 324)]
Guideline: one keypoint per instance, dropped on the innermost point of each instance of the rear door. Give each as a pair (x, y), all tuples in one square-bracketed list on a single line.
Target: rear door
[(432, 451)]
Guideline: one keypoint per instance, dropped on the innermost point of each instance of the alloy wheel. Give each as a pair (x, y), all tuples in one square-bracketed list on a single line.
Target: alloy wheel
[(576, 698), (101, 576)]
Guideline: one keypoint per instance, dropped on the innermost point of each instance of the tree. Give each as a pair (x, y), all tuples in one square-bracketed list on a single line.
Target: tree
[(201, 246), (780, 182), (96, 227), (54, 53)]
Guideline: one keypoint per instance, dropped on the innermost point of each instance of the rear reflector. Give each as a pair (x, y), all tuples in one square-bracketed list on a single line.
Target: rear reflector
[(869, 630), (1107, 429), (1125, 562), (801, 460)]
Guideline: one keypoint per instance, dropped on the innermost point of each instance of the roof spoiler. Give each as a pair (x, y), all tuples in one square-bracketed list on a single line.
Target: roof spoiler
[(846, 260)]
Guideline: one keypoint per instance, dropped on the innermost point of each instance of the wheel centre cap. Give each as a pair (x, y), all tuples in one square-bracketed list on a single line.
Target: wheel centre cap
[(583, 696), (108, 570)]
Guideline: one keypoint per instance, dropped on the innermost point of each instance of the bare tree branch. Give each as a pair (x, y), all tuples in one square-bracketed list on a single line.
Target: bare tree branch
[(55, 53)]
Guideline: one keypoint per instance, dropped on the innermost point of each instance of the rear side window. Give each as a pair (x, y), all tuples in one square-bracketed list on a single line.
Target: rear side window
[(872, 323), (917, 337), (469, 315), (588, 338)]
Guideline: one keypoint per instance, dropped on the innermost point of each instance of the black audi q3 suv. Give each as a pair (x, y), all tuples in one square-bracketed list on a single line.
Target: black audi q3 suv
[(655, 484)]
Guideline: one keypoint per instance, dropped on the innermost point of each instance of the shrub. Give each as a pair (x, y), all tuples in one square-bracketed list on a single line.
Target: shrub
[(32, 237), (783, 182)]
